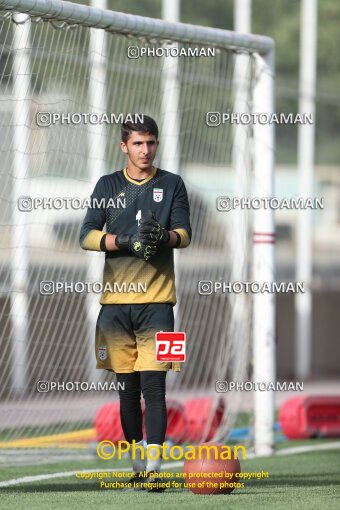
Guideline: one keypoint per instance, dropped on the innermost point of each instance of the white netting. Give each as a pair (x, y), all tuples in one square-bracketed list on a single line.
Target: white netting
[(76, 69)]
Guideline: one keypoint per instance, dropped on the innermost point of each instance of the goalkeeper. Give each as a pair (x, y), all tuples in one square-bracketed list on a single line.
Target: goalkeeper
[(146, 212)]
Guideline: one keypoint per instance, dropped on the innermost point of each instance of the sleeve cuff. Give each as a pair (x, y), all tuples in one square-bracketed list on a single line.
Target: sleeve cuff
[(185, 240), (93, 240), (102, 243)]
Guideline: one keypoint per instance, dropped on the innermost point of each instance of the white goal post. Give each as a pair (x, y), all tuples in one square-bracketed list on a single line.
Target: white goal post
[(263, 262)]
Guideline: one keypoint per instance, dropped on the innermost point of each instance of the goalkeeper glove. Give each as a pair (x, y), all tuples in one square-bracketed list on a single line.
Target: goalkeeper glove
[(151, 231), (139, 247)]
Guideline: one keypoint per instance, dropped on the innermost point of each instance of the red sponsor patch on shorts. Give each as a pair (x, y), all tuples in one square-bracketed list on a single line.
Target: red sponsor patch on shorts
[(170, 346)]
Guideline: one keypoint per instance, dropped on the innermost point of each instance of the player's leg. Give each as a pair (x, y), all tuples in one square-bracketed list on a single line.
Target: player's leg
[(115, 340), (131, 416), (153, 389), (149, 319), (116, 351)]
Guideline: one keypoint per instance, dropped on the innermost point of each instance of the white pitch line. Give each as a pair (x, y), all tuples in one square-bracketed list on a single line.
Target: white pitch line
[(311, 448), (65, 474)]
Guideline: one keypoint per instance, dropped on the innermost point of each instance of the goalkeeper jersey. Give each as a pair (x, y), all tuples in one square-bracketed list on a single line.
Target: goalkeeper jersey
[(120, 202)]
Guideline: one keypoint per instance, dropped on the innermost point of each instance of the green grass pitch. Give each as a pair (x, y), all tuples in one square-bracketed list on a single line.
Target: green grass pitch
[(302, 481)]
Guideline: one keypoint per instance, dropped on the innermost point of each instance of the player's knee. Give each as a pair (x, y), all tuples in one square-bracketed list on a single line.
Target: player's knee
[(153, 386), (129, 388)]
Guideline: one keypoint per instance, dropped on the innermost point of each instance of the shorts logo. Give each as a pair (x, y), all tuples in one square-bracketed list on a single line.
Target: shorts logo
[(158, 194), (102, 353), (170, 346)]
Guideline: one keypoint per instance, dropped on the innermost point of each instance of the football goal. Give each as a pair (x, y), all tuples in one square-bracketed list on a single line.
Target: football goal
[(69, 74)]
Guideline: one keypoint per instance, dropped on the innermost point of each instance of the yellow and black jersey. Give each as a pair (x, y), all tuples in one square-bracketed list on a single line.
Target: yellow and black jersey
[(120, 202)]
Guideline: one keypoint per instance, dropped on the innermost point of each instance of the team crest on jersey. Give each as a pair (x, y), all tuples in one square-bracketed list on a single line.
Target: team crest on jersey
[(102, 353), (157, 194)]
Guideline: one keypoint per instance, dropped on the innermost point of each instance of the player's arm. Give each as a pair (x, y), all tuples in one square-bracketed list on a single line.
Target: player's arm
[(180, 234), (150, 230), (91, 233), (173, 240), (180, 216), (97, 240), (93, 238)]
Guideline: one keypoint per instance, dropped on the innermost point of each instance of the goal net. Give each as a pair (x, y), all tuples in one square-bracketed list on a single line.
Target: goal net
[(65, 87)]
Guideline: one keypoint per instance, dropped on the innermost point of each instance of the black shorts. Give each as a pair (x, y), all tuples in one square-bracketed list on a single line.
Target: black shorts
[(125, 336)]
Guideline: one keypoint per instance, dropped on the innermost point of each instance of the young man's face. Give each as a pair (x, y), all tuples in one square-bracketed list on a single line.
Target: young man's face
[(141, 149)]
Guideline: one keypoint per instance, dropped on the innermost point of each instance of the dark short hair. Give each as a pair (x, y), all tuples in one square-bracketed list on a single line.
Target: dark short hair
[(147, 126)]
